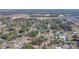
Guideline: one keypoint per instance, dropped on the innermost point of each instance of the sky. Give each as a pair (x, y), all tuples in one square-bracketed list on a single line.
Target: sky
[(39, 4)]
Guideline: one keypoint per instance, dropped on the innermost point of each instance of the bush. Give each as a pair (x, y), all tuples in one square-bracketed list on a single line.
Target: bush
[(33, 33), (39, 40), (27, 46), (34, 42)]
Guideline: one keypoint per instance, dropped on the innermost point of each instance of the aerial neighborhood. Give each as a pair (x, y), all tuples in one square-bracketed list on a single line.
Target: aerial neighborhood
[(39, 30)]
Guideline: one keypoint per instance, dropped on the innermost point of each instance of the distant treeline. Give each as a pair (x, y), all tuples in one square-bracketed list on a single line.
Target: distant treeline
[(30, 11)]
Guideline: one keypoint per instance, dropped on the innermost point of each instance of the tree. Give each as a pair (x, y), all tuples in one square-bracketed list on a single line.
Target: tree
[(8, 37), (4, 36), (65, 26), (54, 26), (22, 31)]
